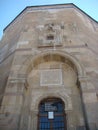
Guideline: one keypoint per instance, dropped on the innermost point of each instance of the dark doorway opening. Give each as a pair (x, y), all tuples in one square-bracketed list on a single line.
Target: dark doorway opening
[(51, 115)]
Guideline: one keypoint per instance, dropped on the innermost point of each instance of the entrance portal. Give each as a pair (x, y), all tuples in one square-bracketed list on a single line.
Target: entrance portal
[(52, 115)]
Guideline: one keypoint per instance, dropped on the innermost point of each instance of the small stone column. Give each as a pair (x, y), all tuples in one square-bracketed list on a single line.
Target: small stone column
[(34, 120), (69, 118)]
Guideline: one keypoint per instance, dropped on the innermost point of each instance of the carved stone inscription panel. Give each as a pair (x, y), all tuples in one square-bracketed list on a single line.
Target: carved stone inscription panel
[(51, 77)]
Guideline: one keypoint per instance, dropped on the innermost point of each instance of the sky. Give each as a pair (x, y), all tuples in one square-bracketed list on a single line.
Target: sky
[(9, 9)]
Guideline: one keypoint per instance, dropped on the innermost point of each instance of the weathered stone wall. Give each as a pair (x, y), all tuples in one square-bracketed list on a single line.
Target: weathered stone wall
[(49, 51)]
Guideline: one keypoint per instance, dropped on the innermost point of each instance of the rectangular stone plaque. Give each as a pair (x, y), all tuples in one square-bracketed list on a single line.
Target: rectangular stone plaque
[(51, 77)]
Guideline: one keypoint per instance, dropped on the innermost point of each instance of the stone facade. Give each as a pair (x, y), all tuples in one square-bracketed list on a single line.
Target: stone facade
[(49, 52)]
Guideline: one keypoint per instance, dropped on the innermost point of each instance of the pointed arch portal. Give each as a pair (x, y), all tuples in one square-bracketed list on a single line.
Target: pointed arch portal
[(51, 115)]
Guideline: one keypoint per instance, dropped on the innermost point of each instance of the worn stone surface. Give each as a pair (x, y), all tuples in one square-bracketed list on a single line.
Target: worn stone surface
[(49, 52)]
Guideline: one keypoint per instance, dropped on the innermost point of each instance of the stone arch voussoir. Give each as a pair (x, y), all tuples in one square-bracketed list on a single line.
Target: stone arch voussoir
[(64, 97), (76, 63)]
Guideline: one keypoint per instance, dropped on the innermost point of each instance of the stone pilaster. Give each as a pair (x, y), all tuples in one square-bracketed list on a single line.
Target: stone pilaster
[(25, 111), (88, 100), (34, 120)]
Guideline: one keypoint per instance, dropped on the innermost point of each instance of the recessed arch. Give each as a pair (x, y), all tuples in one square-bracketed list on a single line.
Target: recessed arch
[(31, 64), (32, 61), (50, 98), (63, 96)]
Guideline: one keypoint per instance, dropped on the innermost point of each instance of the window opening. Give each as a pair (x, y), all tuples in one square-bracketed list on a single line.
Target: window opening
[(50, 37)]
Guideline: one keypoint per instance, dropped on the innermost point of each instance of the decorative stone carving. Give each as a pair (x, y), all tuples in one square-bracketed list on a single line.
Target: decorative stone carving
[(54, 34), (73, 27), (50, 34)]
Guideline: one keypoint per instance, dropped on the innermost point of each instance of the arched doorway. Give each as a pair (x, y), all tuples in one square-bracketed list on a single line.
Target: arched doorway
[(51, 75), (51, 115)]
